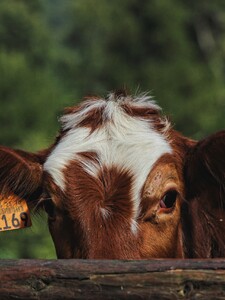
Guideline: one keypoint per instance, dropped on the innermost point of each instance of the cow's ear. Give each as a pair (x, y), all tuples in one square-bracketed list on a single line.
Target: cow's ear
[(20, 172), (205, 166), (204, 213)]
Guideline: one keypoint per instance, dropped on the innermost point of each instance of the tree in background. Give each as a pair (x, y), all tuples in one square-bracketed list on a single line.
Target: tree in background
[(27, 82), (176, 48), (27, 87)]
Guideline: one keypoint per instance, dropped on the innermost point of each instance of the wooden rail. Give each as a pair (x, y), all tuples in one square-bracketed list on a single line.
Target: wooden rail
[(101, 279)]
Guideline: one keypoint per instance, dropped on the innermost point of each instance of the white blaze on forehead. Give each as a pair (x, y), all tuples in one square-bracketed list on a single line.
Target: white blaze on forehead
[(72, 120), (126, 142)]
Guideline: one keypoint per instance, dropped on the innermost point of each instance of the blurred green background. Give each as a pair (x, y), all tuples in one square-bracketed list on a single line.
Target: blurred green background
[(53, 52)]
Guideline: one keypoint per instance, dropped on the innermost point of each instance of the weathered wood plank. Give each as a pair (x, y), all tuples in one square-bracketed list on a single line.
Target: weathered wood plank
[(107, 279)]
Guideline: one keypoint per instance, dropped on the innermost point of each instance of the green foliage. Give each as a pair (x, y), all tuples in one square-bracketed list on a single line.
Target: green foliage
[(27, 87), (24, 94), (54, 52), (153, 45), (32, 242), (23, 31)]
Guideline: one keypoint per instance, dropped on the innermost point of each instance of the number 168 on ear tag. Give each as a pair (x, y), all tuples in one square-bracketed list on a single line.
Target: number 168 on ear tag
[(14, 213)]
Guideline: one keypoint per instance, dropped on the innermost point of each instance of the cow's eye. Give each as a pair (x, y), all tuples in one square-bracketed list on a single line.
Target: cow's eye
[(49, 207), (169, 200)]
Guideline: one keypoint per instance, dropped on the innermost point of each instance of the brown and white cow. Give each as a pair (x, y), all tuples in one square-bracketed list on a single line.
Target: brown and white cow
[(119, 182)]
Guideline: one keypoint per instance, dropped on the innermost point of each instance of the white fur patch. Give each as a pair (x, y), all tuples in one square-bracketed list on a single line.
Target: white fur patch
[(126, 142)]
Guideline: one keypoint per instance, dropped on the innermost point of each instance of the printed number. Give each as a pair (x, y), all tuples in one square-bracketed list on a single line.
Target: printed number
[(6, 223), (15, 221), (24, 218)]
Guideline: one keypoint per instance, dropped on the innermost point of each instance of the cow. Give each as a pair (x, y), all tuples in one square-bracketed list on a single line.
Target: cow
[(120, 182)]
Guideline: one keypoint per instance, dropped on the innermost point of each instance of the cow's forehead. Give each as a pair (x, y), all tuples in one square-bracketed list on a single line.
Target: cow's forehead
[(123, 132)]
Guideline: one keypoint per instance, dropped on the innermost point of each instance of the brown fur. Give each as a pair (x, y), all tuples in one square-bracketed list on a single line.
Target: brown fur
[(93, 120), (20, 172), (205, 191), (150, 114), (108, 191), (92, 218)]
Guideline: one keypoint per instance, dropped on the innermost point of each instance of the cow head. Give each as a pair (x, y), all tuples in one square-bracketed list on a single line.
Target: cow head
[(119, 182)]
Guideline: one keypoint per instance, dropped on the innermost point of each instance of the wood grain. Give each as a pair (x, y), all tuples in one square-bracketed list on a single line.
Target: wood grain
[(111, 279)]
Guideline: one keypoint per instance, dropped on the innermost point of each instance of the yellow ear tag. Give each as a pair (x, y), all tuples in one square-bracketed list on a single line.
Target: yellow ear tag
[(14, 213)]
